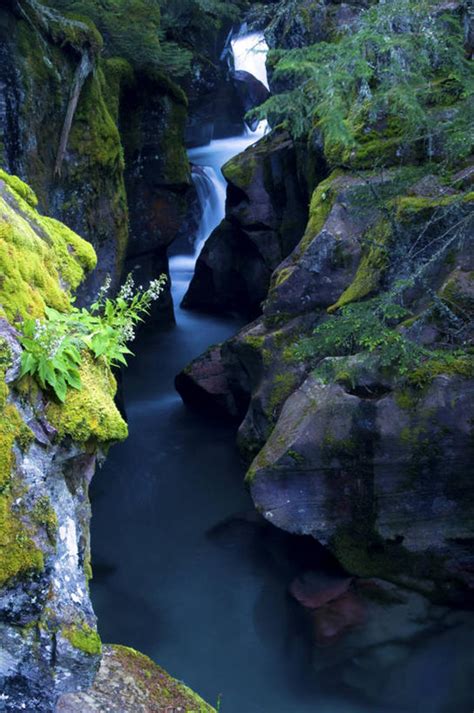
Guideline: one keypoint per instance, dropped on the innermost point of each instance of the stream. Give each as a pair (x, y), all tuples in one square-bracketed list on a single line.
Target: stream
[(184, 569)]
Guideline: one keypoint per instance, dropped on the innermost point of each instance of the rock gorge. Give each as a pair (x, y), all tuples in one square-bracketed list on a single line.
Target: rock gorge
[(351, 264)]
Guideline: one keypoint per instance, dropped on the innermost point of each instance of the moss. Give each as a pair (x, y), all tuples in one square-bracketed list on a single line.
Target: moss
[(38, 257), (321, 204), (118, 73), (19, 556), (282, 387), (94, 133), (281, 276), (422, 207), (240, 170), (450, 365), (371, 268), (20, 188), (256, 342), (458, 292), (366, 557), (90, 415), (84, 638), (45, 516), (405, 399), (296, 457)]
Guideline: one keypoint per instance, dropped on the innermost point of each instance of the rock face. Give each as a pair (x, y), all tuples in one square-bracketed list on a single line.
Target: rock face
[(41, 53), (265, 218), (355, 474), (250, 91), (158, 177), (372, 463), (49, 644), (123, 112)]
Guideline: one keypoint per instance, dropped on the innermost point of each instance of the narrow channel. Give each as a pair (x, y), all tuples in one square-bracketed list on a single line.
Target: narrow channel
[(184, 568)]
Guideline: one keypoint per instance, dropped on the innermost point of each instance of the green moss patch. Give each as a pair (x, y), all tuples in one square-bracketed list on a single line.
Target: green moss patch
[(19, 556), (90, 415), (39, 257), (84, 638)]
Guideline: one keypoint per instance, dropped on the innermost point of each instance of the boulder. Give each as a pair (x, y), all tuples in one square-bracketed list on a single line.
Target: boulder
[(265, 219), (250, 91), (356, 473)]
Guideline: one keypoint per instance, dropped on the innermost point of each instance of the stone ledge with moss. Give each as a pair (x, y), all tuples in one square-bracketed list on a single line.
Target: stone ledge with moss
[(129, 682)]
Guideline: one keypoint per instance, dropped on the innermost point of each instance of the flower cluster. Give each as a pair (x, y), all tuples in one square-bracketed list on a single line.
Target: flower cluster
[(53, 347), (127, 290)]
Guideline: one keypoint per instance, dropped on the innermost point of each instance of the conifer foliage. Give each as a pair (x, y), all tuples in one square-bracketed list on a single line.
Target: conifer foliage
[(397, 72)]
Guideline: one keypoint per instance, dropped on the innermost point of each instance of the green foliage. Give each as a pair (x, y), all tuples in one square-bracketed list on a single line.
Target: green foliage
[(156, 34), (51, 354), (362, 327), (371, 328), (388, 76), (53, 347)]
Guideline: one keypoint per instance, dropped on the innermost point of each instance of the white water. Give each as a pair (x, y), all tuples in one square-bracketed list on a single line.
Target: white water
[(250, 53)]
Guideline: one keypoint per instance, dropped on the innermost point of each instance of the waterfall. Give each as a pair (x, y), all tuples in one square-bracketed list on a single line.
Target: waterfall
[(249, 51), (250, 54)]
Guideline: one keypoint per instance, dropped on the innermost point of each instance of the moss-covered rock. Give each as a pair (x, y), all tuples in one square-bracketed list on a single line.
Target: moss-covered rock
[(39, 256), (90, 415), (45, 469), (134, 683)]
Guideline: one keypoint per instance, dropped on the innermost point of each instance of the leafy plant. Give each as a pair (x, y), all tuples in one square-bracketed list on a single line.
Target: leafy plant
[(53, 347)]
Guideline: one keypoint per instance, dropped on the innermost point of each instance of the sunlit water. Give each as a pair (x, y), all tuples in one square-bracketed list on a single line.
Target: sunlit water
[(185, 570)]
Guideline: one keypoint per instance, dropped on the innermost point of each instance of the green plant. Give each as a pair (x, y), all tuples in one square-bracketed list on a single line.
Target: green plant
[(363, 327), (53, 347)]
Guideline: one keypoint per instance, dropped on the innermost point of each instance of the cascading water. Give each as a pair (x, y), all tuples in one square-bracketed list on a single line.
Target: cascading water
[(249, 52), (250, 55)]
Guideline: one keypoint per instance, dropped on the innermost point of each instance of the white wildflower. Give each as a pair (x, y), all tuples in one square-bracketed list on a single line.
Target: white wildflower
[(127, 289)]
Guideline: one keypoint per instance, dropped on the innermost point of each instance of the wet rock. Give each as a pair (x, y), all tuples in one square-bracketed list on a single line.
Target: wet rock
[(325, 262), (313, 590), (402, 638), (251, 92), (265, 218), (334, 619), (363, 482), (204, 385)]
